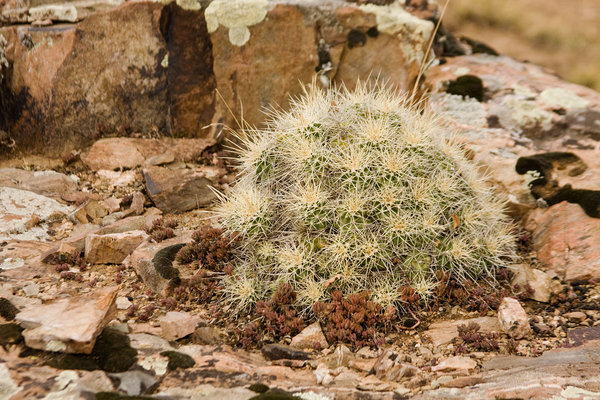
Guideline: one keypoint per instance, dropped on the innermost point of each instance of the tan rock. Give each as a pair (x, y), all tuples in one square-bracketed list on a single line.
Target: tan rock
[(539, 281), (393, 366), (567, 241), (513, 318), (309, 337), (457, 363), (69, 325), (112, 248), (442, 333), (175, 325), (46, 183), (117, 153)]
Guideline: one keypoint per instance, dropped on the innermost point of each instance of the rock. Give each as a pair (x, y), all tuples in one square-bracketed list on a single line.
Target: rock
[(135, 74), (513, 318), (340, 357), (208, 335), (277, 352), (117, 178), (134, 383), (112, 248), (46, 183), (538, 281), (175, 325), (575, 316), (393, 366), (462, 381), (21, 261), (149, 343), (153, 262), (310, 337), (117, 153), (48, 328), (322, 374), (123, 303), (347, 379), (18, 207), (567, 241), (176, 191), (362, 365), (372, 384), (442, 333), (457, 363)]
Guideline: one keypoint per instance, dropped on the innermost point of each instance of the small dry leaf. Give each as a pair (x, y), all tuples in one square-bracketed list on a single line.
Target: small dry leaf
[(455, 221), (331, 280)]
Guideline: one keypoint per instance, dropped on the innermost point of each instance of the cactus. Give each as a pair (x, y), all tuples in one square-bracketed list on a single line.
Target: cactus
[(358, 191)]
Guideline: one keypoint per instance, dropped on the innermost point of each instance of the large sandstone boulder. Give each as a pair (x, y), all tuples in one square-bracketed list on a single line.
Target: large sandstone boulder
[(152, 68)]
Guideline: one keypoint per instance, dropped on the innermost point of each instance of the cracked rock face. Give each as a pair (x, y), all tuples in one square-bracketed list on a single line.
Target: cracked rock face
[(152, 68)]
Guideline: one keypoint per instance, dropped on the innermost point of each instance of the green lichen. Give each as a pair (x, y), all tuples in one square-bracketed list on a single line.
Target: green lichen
[(237, 16), (559, 97), (413, 32)]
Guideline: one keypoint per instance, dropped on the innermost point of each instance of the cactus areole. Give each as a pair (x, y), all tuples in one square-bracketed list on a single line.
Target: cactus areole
[(358, 190)]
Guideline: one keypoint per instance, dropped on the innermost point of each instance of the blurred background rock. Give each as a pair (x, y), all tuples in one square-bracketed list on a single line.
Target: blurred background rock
[(562, 35)]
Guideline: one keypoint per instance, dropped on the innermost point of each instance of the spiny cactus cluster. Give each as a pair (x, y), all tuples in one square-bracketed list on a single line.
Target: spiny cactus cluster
[(358, 191)]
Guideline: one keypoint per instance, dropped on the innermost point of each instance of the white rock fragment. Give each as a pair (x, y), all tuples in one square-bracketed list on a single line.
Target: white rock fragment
[(513, 318)]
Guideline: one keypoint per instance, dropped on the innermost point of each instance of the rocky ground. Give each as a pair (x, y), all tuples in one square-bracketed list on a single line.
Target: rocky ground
[(85, 299)]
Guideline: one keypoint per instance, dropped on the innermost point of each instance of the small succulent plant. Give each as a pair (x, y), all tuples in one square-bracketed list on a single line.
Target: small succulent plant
[(358, 191)]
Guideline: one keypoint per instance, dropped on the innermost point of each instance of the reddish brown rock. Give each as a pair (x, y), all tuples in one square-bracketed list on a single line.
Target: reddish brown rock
[(112, 248), (68, 325), (567, 241), (115, 153), (180, 190), (457, 363)]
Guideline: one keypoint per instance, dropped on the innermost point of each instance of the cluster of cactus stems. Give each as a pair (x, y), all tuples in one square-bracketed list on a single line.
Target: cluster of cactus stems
[(353, 191)]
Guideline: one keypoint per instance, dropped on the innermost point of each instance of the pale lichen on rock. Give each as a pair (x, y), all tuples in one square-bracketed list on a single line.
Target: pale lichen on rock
[(413, 32), (237, 16), (564, 98)]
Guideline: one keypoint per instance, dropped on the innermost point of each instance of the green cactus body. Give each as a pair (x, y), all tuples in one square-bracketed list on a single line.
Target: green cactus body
[(358, 191)]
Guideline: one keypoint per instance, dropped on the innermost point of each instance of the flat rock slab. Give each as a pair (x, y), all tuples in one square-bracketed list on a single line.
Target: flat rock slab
[(21, 212), (21, 261), (112, 248), (442, 333), (69, 325), (46, 183), (567, 241), (180, 190), (115, 153)]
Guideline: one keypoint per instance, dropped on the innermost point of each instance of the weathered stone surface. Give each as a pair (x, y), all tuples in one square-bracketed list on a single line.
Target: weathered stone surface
[(20, 261), (47, 326), (155, 277), (112, 248), (150, 67), (175, 325), (274, 351), (456, 363), (310, 337), (393, 366), (116, 153), (539, 281), (567, 241), (442, 333), (513, 318), (46, 183), (23, 213), (175, 191)]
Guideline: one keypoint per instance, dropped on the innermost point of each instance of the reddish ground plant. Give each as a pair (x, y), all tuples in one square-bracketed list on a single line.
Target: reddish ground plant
[(210, 248), (162, 229), (471, 339), (354, 320)]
